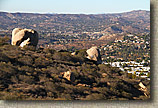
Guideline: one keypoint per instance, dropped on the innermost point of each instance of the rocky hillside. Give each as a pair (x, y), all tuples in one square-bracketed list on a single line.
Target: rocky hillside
[(46, 74)]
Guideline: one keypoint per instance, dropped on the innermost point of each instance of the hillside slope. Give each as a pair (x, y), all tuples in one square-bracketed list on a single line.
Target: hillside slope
[(134, 22), (28, 74), (77, 31)]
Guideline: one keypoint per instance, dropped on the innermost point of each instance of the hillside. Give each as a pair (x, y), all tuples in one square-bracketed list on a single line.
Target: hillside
[(64, 31), (135, 48), (29, 74), (138, 20)]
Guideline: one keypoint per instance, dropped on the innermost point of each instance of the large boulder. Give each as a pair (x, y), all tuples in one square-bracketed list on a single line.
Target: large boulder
[(22, 37), (94, 54)]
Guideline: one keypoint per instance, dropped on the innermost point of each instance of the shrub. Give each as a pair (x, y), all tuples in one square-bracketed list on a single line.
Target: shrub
[(4, 40), (82, 53), (26, 79), (63, 56), (7, 69), (95, 96), (3, 57), (26, 69), (41, 62), (12, 96), (26, 60)]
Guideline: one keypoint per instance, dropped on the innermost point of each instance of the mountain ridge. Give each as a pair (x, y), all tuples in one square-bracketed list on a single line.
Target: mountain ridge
[(69, 28), (76, 13)]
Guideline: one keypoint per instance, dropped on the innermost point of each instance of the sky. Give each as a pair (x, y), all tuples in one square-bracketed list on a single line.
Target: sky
[(73, 6)]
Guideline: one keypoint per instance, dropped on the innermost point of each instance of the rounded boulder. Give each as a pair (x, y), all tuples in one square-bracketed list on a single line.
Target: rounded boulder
[(22, 37)]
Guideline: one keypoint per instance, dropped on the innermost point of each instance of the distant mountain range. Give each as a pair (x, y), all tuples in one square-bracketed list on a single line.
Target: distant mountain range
[(133, 22), (64, 31)]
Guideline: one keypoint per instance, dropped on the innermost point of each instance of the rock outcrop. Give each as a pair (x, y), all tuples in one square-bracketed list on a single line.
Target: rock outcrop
[(22, 37), (144, 89), (73, 53), (69, 76), (94, 54)]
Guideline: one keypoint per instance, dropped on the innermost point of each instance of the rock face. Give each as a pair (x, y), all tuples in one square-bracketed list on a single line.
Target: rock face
[(94, 54), (22, 37), (144, 89), (73, 53), (69, 76)]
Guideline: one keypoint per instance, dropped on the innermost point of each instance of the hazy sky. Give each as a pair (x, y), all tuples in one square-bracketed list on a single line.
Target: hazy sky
[(73, 6)]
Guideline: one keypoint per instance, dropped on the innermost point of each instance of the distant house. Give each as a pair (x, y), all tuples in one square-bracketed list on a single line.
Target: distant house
[(148, 78), (119, 58), (121, 69), (130, 35), (126, 68), (131, 72), (116, 64), (143, 76), (113, 56)]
